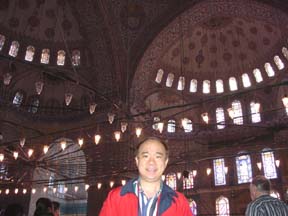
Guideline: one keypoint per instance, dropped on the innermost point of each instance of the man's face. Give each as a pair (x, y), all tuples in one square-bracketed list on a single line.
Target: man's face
[(151, 161)]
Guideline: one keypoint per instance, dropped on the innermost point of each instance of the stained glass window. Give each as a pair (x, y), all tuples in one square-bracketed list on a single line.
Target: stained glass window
[(171, 180), (188, 183), (257, 75), (18, 98), (2, 41), (193, 85), (75, 57), (170, 79), (219, 86), (220, 118), (219, 171), (181, 83), (33, 108), (30, 51), (45, 56), (285, 52), (246, 80), (269, 70), (255, 114), (61, 57), (193, 206), (279, 63), (222, 206), (268, 164), (233, 84), (237, 110), (14, 48), (206, 86), (171, 126), (244, 168), (159, 75)]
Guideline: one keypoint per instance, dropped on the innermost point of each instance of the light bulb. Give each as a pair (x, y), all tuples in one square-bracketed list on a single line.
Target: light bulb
[(45, 149), (138, 131), (117, 135), (124, 126), (1, 157), (68, 98), (30, 152), (92, 107), (97, 138), (15, 155), (63, 144), (80, 141)]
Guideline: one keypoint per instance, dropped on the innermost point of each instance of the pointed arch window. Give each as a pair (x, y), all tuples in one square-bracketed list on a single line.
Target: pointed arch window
[(269, 163), (76, 57), (255, 112), (257, 75), (159, 76), (219, 172), (219, 86), (237, 110), (61, 57), (246, 80), (14, 48), (171, 180), (188, 183), (2, 41), (187, 126), (244, 168), (193, 206), (279, 63), (18, 98), (269, 70), (193, 85), (206, 86), (220, 118), (233, 84), (170, 79), (45, 56), (30, 51), (222, 206), (181, 83), (285, 52), (33, 108), (171, 126)]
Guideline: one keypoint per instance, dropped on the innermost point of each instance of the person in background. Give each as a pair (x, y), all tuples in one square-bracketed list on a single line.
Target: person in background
[(56, 208), (147, 194), (14, 209), (262, 203), (43, 207)]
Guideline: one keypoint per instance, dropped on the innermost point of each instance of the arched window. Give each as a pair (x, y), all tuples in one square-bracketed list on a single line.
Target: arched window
[(18, 98), (222, 206), (33, 108), (193, 206), (193, 85), (279, 63), (219, 171), (159, 75), (255, 112), (14, 48), (233, 84), (188, 183), (30, 51), (285, 52), (275, 194), (244, 168), (171, 180), (61, 57), (237, 110), (219, 86), (220, 118), (156, 119), (246, 80), (170, 79), (76, 57), (206, 86), (257, 75), (171, 126), (45, 56), (2, 41), (268, 163), (187, 125), (269, 70), (181, 83)]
